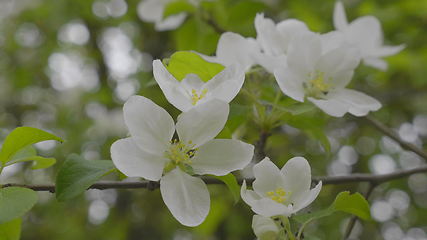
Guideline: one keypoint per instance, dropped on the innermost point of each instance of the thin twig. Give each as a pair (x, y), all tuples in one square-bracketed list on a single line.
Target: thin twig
[(260, 145), (327, 180), (393, 135)]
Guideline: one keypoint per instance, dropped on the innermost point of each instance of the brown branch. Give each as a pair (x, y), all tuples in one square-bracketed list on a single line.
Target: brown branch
[(327, 180), (393, 135), (260, 145)]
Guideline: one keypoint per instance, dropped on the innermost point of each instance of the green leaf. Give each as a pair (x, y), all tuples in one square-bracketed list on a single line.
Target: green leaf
[(183, 63), (176, 7), (15, 202), (308, 217), (11, 230), (354, 204), (22, 137), (39, 162), (77, 174), (233, 186), (29, 154)]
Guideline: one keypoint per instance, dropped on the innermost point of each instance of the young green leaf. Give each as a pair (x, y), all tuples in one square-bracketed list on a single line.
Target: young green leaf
[(183, 63), (22, 137), (15, 202), (176, 7), (233, 186), (29, 154), (354, 204), (11, 230), (78, 174)]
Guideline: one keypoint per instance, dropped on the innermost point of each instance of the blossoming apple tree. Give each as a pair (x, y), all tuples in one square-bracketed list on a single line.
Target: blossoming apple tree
[(278, 76)]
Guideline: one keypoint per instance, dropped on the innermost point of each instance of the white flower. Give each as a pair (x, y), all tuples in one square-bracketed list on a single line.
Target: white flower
[(265, 228), (274, 40), (152, 11), (151, 153), (318, 68), (280, 192), (366, 34), (235, 49), (192, 91)]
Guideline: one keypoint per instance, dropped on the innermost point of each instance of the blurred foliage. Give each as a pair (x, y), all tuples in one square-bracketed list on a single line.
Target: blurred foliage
[(75, 87)]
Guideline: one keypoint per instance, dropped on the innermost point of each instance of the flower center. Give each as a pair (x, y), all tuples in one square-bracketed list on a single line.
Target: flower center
[(279, 195), (317, 87), (195, 97), (180, 154)]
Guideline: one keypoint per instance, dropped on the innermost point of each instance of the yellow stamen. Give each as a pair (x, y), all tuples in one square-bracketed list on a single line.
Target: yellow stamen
[(180, 153), (195, 97), (279, 195), (317, 86), (319, 83)]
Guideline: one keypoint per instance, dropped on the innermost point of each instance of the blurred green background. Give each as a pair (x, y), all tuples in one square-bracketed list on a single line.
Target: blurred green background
[(68, 67)]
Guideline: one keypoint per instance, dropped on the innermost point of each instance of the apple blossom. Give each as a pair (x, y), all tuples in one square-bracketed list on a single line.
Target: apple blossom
[(152, 11), (192, 91), (151, 153), (235, 49), (366, 34), (319, 67), (280, 192), (274, 40)]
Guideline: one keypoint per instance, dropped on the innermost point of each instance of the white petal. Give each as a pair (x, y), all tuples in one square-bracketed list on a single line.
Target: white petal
[(171, 22), (186, 197), (248, 196), (150, 126), (360, 103), (332, 107), (304, 52), (297, 175), (202, 123), (308, 198), (366, 33), (264, 227), (270, 63), (269, 208), (268, 37), (151, 10), (340, 18), (171, 88), (222, 156), (192, 81), (340, 59), (388, 50), (376, 63), (134, 162), (290, 27), (235, 49), (267, 177), (226, 84), (290, 83)]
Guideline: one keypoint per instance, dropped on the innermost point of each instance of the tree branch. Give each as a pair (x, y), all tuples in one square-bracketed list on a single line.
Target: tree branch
[(393, 135), (327, 180)]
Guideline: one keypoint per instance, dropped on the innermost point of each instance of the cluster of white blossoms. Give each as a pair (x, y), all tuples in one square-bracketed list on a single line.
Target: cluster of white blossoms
[(312, 66), (307, 66)]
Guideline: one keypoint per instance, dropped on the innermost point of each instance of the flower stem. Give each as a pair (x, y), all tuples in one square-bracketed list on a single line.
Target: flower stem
[(287, 225)]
